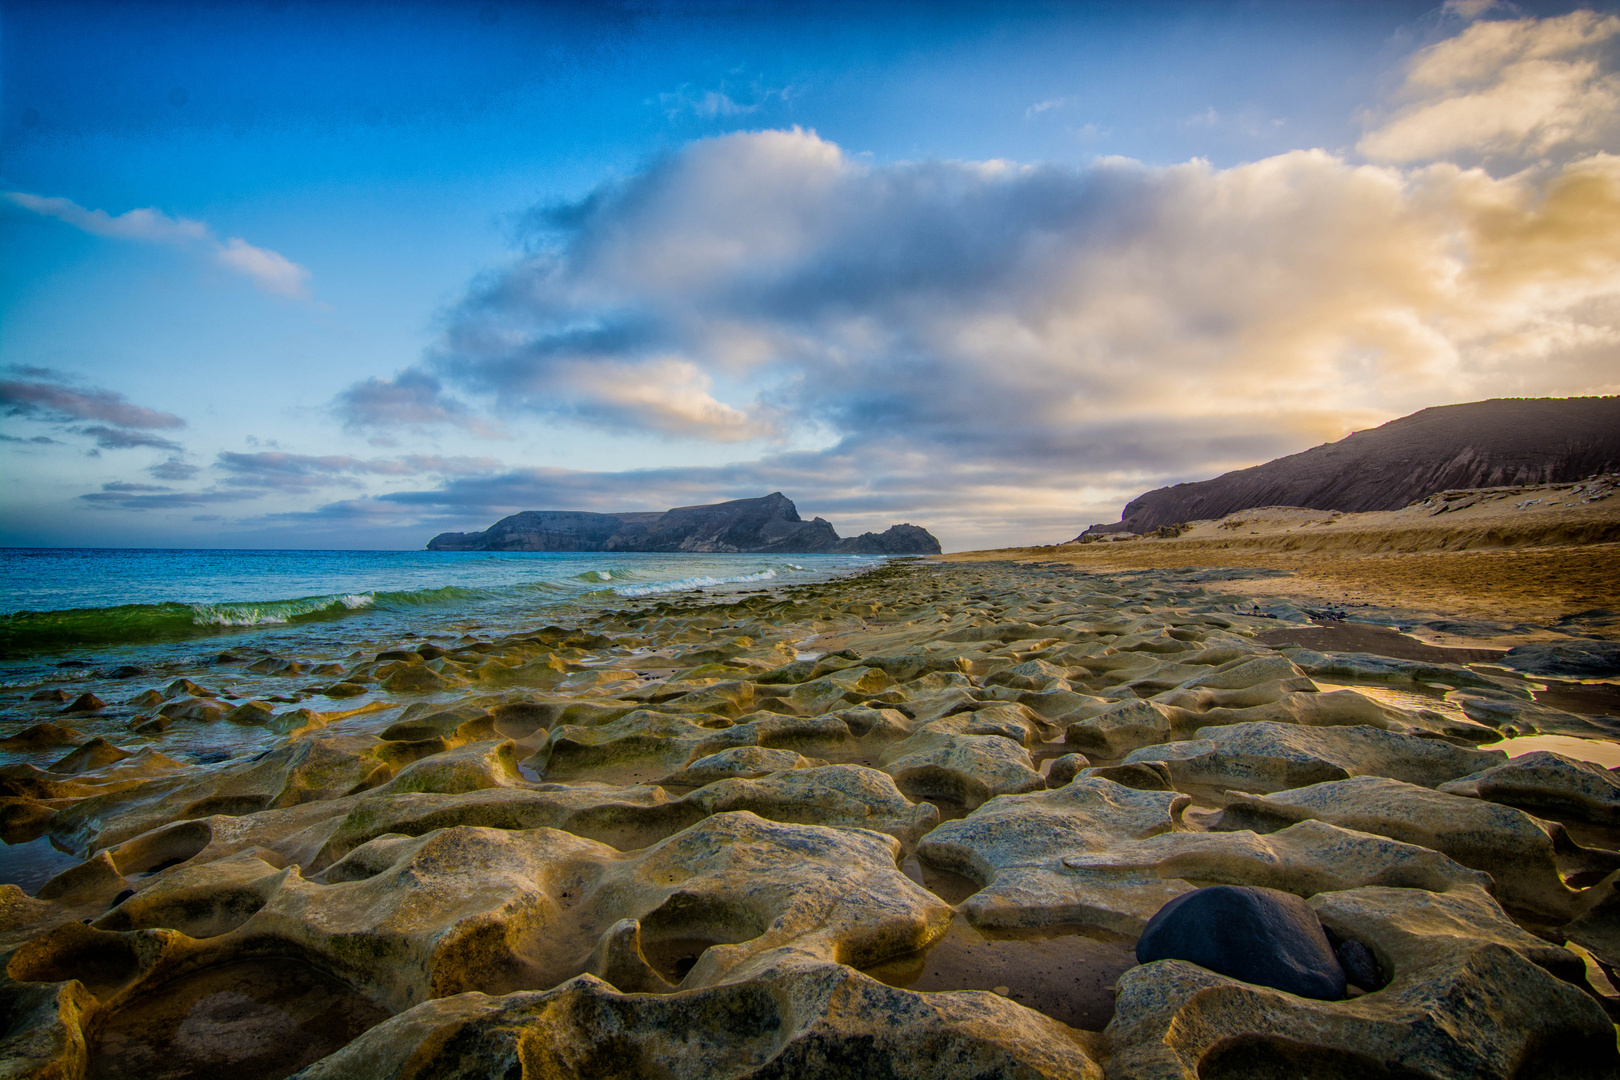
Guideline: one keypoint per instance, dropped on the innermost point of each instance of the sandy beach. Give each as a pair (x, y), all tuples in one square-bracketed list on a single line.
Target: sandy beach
[(932, 805)]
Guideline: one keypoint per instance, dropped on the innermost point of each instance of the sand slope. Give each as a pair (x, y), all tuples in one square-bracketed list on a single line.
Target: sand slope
[(1537, 554)]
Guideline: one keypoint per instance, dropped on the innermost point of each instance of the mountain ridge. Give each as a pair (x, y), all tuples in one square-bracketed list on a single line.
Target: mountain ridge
[(766, 525), (1500, 442)]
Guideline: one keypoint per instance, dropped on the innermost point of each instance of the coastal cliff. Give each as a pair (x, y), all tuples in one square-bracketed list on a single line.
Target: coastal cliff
[(1503, 442), (766, 525)]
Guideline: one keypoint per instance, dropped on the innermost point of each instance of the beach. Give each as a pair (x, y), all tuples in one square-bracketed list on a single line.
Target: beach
[(946, 794)]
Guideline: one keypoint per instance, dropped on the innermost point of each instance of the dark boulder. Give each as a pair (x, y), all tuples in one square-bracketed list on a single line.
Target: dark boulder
[(1259, 936), (1360, 966)]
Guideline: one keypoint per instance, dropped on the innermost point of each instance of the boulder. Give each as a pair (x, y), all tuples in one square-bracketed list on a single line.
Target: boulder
[(1471, 995), (1255, 935)]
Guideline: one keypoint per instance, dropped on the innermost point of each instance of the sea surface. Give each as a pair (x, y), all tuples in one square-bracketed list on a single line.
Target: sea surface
[(125, 605), (121, 624)]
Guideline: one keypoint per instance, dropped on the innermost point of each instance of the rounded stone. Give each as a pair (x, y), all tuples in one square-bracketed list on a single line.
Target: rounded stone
[(1261, 936)]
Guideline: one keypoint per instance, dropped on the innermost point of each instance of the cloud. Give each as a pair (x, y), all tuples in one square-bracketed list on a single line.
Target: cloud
[(1470, 9), (38, 440), (54, 399), (1050, 103), (123, 439), (1048, 327), (139, 501), (721, 103), (279, 470), (173, 469), (414, 398), (268, 270), (128, 488), (1508, 87)]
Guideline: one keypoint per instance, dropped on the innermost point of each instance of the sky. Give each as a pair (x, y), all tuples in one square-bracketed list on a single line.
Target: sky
[(347, 275)]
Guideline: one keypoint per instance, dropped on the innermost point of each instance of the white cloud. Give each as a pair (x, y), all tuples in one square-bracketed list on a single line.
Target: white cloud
[(1510, 87), (1001, 336), (268, 270)]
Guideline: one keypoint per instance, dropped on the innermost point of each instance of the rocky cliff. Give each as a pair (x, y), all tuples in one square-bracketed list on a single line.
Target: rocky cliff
[(765, 525), (1496, 443)]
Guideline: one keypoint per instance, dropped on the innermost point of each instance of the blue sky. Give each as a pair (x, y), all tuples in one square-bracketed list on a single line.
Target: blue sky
[(347, 275)]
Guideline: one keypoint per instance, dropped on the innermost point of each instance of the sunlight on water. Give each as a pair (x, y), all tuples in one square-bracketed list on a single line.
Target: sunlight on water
[(1606, 754)]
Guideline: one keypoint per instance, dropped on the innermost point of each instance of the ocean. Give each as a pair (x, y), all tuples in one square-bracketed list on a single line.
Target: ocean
[(132, 627), (153, 607)]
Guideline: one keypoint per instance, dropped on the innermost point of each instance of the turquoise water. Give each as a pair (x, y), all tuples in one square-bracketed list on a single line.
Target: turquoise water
[(74, 600)]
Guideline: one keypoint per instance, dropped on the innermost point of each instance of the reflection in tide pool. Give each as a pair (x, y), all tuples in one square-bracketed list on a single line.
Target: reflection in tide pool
[(1606, 754)]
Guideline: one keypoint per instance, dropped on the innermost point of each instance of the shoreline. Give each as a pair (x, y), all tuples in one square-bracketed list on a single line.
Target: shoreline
[(956, 786)]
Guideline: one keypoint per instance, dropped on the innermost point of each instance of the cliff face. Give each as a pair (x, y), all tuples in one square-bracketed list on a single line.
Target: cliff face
[(1498, 443), (767, 525)]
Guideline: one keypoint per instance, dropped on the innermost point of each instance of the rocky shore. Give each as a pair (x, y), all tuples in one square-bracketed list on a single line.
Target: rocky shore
[(907, 824)]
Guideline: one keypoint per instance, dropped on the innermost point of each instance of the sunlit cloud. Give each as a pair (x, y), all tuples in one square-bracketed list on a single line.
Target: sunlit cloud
[(1515, 87)]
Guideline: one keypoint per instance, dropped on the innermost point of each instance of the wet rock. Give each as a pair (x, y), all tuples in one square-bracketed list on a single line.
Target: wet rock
[(1123, 727), (463, 722), (84, 703), (1275, 757), (1472, 995), (473, 767), (1547, 783), (1514, 715), (499, 910), (1066, 768), (739, 762), (98, 753), (1598, 927), (1359, 964), (624, 817), (795, 1018), (199, 901), (201, 709), (416, 679), (304, 770), (40, 736), (843, 795), (1581, 659), (1259, 936), (1014, 846), (1142, 775), (967, 769), (1517, 850), (344, 690), (251, 712)]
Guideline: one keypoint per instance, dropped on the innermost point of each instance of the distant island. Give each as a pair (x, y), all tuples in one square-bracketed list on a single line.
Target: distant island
[(768, 525), (1503, 442)]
